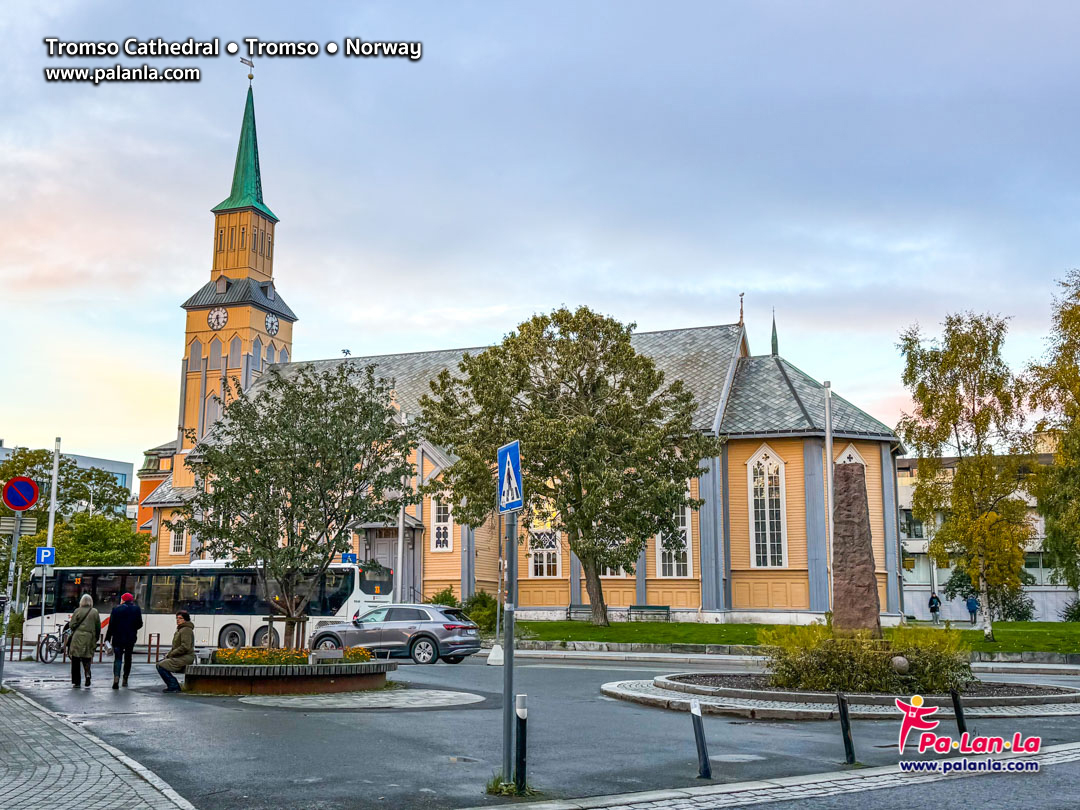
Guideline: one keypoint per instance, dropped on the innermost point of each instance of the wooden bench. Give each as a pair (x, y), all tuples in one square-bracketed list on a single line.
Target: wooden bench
[(578, 613), (650, 613), (319, 656)]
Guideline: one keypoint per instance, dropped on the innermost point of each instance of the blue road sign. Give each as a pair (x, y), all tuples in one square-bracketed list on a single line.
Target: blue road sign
[(511, 497), (20, 493), (46, 555), (349, 558)]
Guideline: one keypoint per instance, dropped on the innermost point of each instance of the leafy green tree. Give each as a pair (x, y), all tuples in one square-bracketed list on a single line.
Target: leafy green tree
[(968, 404), (74, 486), (1055, 390), (1004, 604), (291, 467), (607, 449)]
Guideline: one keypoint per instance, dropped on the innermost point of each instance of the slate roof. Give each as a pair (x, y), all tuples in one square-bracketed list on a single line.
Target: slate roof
[(168, 495), (771, 396), (169, 446), (699, 356), (240, 291)]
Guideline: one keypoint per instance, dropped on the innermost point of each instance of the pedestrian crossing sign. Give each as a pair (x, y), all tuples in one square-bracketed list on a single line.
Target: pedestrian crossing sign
[(509, 471)]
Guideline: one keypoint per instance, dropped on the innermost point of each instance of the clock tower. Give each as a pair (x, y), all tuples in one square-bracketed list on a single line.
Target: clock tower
[(237, 324)]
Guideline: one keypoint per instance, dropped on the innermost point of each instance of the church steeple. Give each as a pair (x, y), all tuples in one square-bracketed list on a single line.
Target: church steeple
[(775, 343), (247, 189)]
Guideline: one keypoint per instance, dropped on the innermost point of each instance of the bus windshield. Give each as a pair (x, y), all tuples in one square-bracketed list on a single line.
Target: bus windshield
[(377, 581)]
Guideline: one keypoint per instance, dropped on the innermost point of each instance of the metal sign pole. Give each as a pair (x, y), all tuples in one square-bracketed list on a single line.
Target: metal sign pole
[(508, 642), (49, 539), (829, 482), (7, 601)]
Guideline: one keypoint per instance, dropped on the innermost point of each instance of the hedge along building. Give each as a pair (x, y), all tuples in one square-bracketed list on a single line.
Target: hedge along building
[(756, 550)]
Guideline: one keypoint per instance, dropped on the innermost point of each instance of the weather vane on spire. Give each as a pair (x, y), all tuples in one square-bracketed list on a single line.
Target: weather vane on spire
[(251, 72), (740, 308)]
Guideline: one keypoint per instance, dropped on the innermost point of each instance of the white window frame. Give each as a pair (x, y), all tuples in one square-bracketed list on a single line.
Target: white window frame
[(437, 525), (542, 553), (660, 551), (761, 453), (620, 574), (850, 455), (175, 536)]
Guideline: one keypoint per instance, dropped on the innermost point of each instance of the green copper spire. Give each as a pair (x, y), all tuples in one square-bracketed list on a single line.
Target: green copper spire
[(775, 343), (247, 181)]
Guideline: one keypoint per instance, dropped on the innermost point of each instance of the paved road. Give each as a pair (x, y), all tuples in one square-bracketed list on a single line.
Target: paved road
[(221, 753)]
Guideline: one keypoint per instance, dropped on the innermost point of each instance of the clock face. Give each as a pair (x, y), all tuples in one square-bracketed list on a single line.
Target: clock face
[(271, 324), (217, 318)]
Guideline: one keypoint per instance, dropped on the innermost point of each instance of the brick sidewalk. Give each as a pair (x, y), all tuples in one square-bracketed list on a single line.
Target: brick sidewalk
[(47, 763)]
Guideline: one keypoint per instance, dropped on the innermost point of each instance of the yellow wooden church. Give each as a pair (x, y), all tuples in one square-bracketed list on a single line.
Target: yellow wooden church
[(756, 550)]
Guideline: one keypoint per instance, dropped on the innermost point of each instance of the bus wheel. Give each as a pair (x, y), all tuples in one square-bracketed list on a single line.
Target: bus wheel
[(260, 638), (231, 637)]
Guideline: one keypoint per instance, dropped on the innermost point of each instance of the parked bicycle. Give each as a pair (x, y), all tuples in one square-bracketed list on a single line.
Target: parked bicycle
[(51, 645)]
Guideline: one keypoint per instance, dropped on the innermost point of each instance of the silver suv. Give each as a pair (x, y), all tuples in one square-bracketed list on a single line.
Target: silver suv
[(425, 633)]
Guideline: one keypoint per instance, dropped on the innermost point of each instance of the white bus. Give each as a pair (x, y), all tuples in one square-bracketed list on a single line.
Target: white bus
[(226, 604)]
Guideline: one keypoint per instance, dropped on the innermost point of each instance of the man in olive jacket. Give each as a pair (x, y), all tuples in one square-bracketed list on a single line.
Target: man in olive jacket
[(181, 654), (124, 624)]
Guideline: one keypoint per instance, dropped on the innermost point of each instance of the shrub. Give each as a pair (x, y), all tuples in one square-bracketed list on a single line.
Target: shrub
[(481, 607), (260, 656), (813, 658), (356, 655), (444, 597), (1071, 611)]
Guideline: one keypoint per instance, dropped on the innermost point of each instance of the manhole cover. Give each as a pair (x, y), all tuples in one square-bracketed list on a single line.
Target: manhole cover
[(401, 699)]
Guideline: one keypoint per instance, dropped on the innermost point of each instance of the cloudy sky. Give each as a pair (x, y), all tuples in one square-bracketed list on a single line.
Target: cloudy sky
[(857, 166)]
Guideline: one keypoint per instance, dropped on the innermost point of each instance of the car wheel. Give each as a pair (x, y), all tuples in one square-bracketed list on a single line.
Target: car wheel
[(231, 637), (424, 651), (453, 659), (327, 643), (260, 638)]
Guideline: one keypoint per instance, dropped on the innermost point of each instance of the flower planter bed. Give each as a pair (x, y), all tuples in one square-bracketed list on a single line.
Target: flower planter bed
[(288, 679)]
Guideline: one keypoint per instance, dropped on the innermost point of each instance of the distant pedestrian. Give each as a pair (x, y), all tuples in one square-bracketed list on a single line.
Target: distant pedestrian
[(85, 626), (181, 654), (973, 607), (124, 624), (935, 607)]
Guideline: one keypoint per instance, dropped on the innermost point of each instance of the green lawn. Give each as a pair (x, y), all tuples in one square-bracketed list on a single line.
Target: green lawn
[(1062, 637)]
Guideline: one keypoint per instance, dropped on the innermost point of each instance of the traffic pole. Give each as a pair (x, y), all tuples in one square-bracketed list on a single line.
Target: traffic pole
[(845, 728), (958, 711), (508, 645), (7, 600), (49, 538), (522, 712), (704, 766)]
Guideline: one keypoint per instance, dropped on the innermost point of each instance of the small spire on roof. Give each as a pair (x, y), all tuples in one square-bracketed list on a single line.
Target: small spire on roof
[(775, 347), (740, 308)]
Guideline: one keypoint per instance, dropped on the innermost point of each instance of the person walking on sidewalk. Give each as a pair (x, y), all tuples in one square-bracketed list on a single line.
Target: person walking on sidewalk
[(85, 626), (181, 654), (935, 607), (973, 607), (124, 624)]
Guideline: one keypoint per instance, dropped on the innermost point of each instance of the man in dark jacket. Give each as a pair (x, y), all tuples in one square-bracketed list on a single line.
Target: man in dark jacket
[(124, 624)]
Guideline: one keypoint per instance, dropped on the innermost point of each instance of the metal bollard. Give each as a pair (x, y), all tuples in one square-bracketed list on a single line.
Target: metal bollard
[(150, 643), (101, 648), (704, 766), (845, 729), (519, 750), (958, 710)]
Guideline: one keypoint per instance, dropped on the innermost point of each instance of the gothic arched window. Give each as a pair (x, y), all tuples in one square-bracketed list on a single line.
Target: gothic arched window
[(768, 512)]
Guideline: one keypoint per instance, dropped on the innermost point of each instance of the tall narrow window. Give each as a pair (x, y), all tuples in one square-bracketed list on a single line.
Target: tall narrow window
[(221, 240), (243, 233), (768, 521), (177, 546), (254, 238), (676, 562), (269, 246), (544, 551), (442, 535), (232, 238)]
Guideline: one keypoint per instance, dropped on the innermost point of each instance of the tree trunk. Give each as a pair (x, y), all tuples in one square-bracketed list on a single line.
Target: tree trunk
[(984, 607), (595, 591)]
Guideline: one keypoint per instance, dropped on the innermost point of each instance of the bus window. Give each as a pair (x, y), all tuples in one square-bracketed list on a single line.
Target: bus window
[(196, 593), (377, 582), (33, 604), (236, 594), (135, 584), (338, 588), (107, 590), (162, 593), (72, 586)]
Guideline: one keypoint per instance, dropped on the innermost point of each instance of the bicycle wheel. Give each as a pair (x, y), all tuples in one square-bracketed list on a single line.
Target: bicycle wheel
[(48, 648)]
